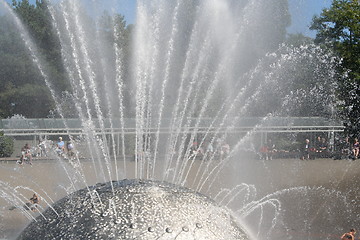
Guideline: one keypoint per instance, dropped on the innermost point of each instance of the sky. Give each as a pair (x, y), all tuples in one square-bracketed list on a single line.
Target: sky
[(301, 12)]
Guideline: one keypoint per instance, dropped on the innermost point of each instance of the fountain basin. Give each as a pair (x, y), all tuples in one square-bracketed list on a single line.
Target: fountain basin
[(135, 209)]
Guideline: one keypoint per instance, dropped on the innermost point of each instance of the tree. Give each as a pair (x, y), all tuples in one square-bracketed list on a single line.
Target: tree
[(37, 21), (338, 28), (115, 38), (6, 145), (22, 88), (296, 81), (30, 100)]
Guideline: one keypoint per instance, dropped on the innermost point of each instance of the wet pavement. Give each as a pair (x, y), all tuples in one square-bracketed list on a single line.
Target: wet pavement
[(318, 197)]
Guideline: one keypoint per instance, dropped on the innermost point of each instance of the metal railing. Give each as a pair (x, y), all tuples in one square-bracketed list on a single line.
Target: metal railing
[(46, 127)]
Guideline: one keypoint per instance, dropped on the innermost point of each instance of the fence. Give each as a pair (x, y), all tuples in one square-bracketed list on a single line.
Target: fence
[(36, 129)]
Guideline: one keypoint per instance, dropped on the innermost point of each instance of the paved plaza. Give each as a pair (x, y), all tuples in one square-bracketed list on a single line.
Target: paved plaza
[(338, 176)]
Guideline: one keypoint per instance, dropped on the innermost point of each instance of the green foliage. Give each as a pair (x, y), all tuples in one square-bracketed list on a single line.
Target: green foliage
[(338, 28), (6, 145), (30, 100), (22, 87)]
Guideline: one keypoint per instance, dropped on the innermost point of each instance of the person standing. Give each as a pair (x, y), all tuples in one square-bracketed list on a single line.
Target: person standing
[(323, 148), (305, 151), (346, 148), (270, 149)]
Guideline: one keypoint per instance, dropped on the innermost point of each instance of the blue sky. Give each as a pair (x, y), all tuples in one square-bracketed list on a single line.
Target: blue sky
[(301, 11)]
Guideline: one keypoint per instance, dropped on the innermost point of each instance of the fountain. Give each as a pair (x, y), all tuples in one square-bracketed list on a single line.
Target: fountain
[(135, 210), (196, 69)]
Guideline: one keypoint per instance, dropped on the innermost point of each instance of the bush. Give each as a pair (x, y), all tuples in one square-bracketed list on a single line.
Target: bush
[(6, 145)]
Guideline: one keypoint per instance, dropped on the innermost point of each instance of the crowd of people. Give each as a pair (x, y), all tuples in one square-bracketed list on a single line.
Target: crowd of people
[(43, 149), (207, 150), (342, 148), (320, 149), (219, 149)]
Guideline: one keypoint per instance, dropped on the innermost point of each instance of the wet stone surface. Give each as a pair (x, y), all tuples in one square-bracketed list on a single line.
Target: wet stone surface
[(135, 209)]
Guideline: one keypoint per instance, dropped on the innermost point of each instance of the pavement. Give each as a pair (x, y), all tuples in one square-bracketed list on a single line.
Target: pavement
[(319, 198)]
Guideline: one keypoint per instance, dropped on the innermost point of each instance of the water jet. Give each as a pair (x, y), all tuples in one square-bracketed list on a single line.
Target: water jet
[(196, 70)]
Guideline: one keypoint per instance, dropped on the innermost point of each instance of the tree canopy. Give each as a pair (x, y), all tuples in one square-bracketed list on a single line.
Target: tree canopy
[(22, 88), (305, 81), (338, 29)]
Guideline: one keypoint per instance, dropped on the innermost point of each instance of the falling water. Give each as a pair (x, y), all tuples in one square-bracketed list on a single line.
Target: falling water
[(191, 80)]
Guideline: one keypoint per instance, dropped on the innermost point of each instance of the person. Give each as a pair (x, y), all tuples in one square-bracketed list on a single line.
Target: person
[(70, 149), (209, 152), (263, 152), (305, 151), (342, 148), (218, 144), (356, 148), (270, 149), (225, 150), (60, 146), (324, 145), (42, 148), (34, 201), (318, 144), (194, 150), (349, 235), (346, 148), (210, 148), (25, 154), (323, 148)]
